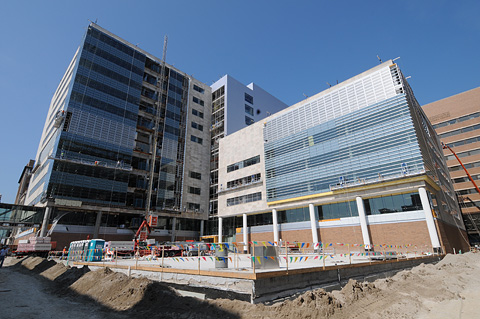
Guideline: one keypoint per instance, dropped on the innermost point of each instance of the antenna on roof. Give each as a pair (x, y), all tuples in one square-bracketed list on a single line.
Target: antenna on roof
[(329, 84), (306, 96), (379, 59)]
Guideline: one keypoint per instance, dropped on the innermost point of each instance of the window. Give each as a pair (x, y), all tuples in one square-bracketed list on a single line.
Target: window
[(244, 199), (460, 119), (460, 131), (244, 181), (249, 109), (249, 121), (218, 93), (197, 113), (197, 126), (195, 175), (198, 89), (198, 140), (193, 206), (392, 204), (198, 101), (194, 190), (337, 210), (248, 98), (248, 162)]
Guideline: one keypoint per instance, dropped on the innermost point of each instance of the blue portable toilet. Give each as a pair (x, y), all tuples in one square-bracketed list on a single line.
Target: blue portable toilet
[(95, 250)]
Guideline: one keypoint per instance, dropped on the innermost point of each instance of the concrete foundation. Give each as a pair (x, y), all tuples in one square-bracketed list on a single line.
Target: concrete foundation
[(267, 286)]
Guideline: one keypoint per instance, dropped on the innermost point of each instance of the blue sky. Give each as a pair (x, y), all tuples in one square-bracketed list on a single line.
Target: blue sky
[(289, 48)]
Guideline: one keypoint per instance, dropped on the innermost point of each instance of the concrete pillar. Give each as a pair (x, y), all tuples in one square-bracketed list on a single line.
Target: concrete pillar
[(202, 225), (275, 226), (46, 218), (313, 223), (174, 224), (363, 222), (432, 230), (245, 232), (98, 222), (220, 230)]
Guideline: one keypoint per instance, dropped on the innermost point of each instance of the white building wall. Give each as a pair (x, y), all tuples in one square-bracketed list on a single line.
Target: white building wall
[(235, 102), (240, 146)]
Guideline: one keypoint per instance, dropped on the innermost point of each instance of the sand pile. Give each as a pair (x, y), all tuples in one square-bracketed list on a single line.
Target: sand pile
[(422, 292)]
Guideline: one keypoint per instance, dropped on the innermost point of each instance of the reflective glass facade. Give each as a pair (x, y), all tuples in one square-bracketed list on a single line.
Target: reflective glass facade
[(370, 142), (101, 128), (105, 110)]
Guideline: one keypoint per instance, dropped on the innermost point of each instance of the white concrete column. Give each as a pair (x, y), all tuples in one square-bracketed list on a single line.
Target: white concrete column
[(275, 226), (220, 230), (245, 232), (432, 230), (46, 218), (313, 223), (363, 222)]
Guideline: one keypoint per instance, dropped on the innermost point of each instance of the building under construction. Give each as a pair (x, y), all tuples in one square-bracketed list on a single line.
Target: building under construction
[(93, 164), (456, 120)]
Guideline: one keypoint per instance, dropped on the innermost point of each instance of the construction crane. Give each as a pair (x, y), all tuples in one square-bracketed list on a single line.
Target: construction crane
[(445, 146), (149, 220)]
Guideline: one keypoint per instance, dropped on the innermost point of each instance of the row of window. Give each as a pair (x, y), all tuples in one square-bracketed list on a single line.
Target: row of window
[(102, 105), (106, 89), (245, 163), (244, 199), (197, 126), (464, 154), (91, 66), (198, 140), (198, 101), (460, 119), (94, 33), (373, 206), (244, 181), (465, 179), (464, 142), (460, 131), (467, 166), (327, 133), (112, 58)]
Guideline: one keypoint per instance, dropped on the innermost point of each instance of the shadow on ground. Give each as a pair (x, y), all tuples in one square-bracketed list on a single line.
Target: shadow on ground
[(116, 295)]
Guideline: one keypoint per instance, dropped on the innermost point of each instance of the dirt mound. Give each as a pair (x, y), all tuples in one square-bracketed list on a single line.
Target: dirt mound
[(355, 290), (114, 290), (37, 264), (409, 294), (141, 296)]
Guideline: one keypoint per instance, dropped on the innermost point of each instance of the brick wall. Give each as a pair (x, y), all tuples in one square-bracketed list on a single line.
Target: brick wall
[(409, 233)]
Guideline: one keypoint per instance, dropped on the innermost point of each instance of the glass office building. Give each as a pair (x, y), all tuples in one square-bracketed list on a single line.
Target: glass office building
[(97, 143)]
